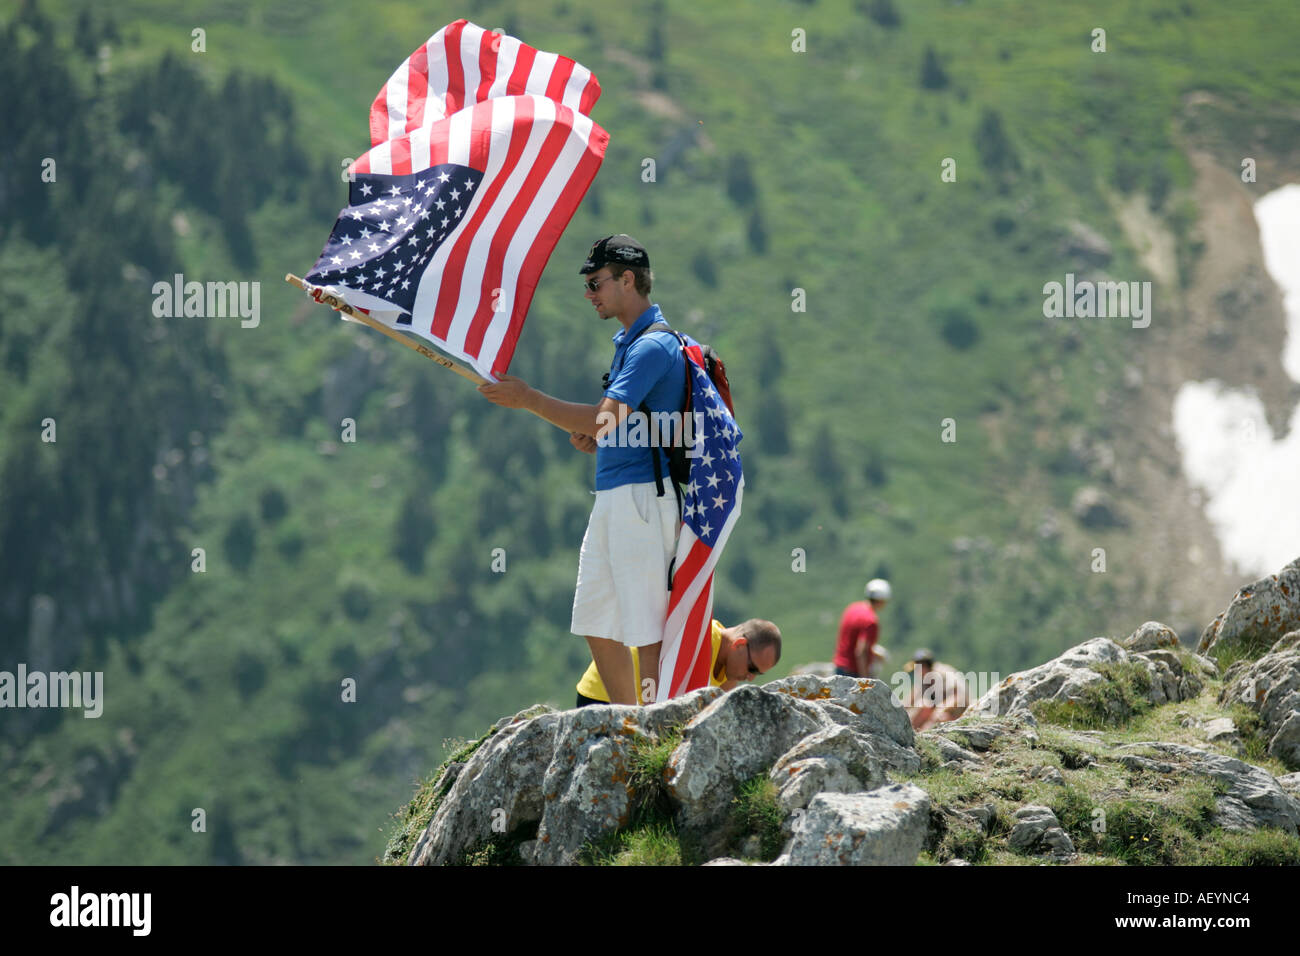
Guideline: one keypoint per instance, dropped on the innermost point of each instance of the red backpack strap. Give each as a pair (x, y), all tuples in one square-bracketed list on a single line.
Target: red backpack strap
[(718, 373)]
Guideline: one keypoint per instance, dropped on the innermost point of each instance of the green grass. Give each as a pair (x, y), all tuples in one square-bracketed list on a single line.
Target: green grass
[(1150, 832), (1250, 649), (647, 776), (653, 844), (1110, 702), (1261, 848), (502, 850), (964, 842), (756, 811), (1254, 742), (410, 821)]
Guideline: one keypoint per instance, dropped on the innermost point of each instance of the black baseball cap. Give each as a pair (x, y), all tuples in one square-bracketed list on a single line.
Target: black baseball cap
[(619, 250)]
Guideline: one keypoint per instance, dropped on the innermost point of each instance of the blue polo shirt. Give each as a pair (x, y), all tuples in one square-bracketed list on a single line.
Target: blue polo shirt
[(650, 370)]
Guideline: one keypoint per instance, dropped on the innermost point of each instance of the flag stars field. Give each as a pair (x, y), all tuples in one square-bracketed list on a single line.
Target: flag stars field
[(384, 238)]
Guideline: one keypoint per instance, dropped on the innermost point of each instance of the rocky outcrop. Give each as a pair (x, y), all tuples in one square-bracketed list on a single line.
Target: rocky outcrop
[(806, 770), (1259, 615), (559, 782), (1169, 675), (1251, 797), (863, 704), (1037, 830), (1270, 686), (498, 785), (886, 827), (736, 738)]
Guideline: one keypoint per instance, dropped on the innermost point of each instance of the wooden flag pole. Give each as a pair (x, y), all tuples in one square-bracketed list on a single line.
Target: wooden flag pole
[(338, 305)]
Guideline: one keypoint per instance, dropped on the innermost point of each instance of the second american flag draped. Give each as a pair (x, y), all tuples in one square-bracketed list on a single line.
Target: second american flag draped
[(481, 151), (710, 509)]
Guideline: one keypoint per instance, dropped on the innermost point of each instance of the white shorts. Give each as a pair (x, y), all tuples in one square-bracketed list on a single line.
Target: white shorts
[(631, 539)]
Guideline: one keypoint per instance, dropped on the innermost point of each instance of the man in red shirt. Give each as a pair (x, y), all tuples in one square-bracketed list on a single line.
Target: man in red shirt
[(859, 631)]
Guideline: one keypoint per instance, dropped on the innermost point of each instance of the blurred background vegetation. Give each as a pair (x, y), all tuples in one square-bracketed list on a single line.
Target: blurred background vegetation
[(325, 560)]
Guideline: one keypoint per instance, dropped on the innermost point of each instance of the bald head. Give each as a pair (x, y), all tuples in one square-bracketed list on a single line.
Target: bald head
[(762, 635)]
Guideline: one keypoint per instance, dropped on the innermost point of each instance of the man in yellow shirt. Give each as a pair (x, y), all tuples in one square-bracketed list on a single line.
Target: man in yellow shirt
[(740, 653)]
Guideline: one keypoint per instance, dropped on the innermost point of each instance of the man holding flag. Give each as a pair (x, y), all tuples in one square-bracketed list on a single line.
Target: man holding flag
[(630, 553), (482, 147)]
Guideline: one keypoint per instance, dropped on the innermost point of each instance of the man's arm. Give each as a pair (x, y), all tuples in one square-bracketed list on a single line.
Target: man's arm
[(862, 655), (864, 650), (573, 417)]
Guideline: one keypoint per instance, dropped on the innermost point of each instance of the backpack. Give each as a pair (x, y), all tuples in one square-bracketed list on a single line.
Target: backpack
[(679, 466)]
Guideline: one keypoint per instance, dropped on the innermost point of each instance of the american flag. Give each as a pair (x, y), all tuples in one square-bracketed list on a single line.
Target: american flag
[(481, 151), (710, 508)]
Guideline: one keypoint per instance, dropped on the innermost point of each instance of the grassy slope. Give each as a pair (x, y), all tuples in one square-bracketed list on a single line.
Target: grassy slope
[(845, 149)]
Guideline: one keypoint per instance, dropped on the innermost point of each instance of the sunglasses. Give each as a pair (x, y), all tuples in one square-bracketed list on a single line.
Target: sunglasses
[(593, 285)]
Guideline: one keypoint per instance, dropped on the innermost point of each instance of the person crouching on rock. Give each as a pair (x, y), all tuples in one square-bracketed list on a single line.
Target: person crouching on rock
[(740, 654), (939, 691)]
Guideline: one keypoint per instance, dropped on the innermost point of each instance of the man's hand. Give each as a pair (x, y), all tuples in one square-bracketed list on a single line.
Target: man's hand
[(583, 442), (510, 392)]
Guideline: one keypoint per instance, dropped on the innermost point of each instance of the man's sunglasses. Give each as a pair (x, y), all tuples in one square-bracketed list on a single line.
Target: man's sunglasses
[(593, 285)]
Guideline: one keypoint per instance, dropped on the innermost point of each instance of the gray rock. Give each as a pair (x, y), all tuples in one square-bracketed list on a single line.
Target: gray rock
[(1058, 842), (586, 789), (955, 861), (735, 738), (853, 749), (979, 734), (1271, 687), (862, 704), (868, 699), (1134, 762), (1253, 796), (950, 750), (586, 784), (1290, 783), (1151, 636), (501, 781), (885, 827), (1031, 823), (905, 760), (1258, 615), (1286, 642), (1285, 742), (837, 759), (981, 816), (1063, 678), (1052, 775), (1220, 728), (659, 719), (1066, 678), (802, 780), (1169, 680)]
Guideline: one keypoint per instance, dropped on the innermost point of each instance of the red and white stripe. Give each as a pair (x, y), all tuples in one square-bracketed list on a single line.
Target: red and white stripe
[(463, 64), (686, 655), (539, 152)]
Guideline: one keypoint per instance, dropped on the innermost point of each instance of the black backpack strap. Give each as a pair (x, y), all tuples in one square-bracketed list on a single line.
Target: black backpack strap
[(644, 410), (654, 454)]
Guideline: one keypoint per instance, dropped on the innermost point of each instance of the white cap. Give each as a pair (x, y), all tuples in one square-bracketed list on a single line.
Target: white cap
[(878, 589)]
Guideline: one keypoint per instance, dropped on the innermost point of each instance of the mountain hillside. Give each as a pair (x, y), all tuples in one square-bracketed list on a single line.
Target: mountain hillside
[(202, 531)]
